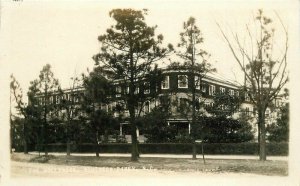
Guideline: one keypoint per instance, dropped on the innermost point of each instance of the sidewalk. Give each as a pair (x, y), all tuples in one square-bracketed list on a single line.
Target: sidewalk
[(199, 156)]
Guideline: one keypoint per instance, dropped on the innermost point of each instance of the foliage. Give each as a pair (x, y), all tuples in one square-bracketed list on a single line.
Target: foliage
[(129, 51), (224, 105), (156, 127), (36, 111), (71, 110), (96, 120), (225, 130), (265, 66), (195, 58), (279, 131), (43, 108), (221, 126), (17, 135), (247, 148)]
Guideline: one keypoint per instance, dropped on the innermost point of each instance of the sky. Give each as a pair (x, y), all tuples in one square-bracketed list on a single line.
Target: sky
[(64, 34)]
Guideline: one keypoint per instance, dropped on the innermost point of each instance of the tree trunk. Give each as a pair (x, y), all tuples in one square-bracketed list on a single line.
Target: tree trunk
[(68, 148), (134, 148), (258, 137), (25, 147), (262, 141), (193, 132), (96, 144), (194, 149), (68, 138), (105, 140), (45, 141), (97, 149), (25, 138)]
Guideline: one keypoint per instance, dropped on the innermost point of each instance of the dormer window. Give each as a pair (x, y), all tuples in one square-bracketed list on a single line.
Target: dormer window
[(182, 81), (165, 84)]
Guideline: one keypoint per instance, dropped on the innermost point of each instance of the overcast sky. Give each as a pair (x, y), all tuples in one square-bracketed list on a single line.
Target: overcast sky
[(64, 34)]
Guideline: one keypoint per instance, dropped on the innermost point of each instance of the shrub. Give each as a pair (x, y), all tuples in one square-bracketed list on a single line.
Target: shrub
[(224, 130), (178, 148)]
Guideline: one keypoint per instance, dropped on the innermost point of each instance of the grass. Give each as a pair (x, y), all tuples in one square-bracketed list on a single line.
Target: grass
[(269, 167)]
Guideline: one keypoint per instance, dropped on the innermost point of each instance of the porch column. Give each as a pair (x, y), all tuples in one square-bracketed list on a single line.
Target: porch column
[(137, 132), (121, 128)]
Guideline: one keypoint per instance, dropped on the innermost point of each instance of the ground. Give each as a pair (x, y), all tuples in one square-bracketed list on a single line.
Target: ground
[(106, 166)]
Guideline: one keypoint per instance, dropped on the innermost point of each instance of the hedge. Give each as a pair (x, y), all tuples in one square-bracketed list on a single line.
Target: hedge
[(176, 148)]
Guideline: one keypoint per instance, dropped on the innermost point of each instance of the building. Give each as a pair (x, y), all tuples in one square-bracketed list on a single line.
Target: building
[(176, 87)]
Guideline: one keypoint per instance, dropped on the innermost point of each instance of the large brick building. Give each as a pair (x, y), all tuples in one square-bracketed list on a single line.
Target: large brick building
[(176, 87)]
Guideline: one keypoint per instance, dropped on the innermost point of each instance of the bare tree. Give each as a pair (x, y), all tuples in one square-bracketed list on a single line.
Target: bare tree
[(70, 105), (265, 68)]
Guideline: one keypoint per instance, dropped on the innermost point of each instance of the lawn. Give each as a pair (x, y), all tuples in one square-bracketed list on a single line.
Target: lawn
[(269, 167)]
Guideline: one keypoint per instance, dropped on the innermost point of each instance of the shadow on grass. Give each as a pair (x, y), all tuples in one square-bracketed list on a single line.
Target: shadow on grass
[(42, 159), (269, 167)]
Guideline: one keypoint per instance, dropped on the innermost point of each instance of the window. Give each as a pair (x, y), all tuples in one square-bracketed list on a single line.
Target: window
[(247, 97), (147, 107), (57, 99), (203, 88), (108, 108), (76, 98), (197, 82), (207, 104), (212, 89), (182, 81), (183, 102), (165, 83), (137, 90), (267, 113), (127, 89), (248, 111), (222, 90), (278, 102), (146, 88), (231, 92), (237, 93), (164, 101), (118, 91)]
